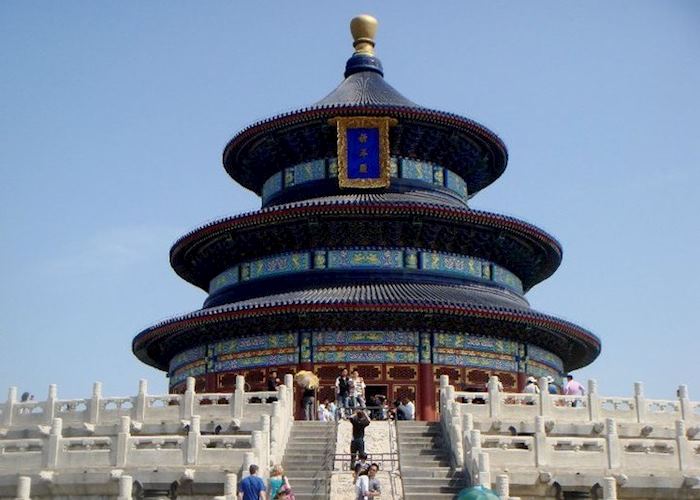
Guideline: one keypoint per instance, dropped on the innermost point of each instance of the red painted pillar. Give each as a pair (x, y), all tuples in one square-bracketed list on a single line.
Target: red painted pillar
[(522, 381), (426, 393)]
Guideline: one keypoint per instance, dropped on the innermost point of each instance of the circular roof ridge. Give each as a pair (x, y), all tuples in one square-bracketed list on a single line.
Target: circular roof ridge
[(395, 298), (352, 201)]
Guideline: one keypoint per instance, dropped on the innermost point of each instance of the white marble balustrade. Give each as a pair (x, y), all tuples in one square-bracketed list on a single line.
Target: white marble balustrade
[(179, 436), (527, 439)]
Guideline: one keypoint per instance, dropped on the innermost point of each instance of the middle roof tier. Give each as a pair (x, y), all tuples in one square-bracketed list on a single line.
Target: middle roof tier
[(411, 220)]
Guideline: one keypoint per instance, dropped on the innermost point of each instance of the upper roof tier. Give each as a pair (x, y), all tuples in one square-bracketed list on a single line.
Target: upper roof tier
[(457, 143)]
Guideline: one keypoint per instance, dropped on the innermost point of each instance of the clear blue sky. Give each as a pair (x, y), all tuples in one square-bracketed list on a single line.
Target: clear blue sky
[(113, 117)]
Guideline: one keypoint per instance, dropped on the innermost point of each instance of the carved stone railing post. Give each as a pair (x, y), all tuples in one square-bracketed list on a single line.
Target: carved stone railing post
[(239, 397), (231, 486), (684, 400), (24, 487), (193, 440), (140, 406), (640, 402), (502, 487), (612, 443), (455, 436), (123, 441), (126, 487), (467, 422), (95, 401), (9, 409), (545, 399), (257, 442), (276, 431), (248, 460), (484, 470), (265, 432), (684, 453), (289, 384), (593, 401), (444, 382), (541, 451), (609, 488), (471, 462), (494, 398), (50, 403), (54, 444), (187, 409)]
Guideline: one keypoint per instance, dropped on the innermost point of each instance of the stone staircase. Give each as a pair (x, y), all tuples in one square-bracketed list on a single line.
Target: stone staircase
[(425, 465), (308, 459)]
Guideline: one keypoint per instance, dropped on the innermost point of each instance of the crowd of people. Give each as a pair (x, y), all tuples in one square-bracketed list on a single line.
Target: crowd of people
[(350, 396)]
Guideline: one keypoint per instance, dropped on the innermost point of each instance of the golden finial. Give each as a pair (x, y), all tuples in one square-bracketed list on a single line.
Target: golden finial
[(363, 29)]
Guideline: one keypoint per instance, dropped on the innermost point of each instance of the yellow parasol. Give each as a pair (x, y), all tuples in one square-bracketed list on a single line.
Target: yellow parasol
[(306, 379)]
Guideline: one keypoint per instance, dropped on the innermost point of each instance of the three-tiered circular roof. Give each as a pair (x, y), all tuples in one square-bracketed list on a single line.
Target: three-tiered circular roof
[(422, 218)]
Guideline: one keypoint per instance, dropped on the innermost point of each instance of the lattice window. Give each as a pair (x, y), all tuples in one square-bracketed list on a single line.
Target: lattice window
[(508, 380), (368, 372), (455, 374), (255, 376), (404, 391), (401, 372), (226, 382), (329, 372), (478, 376)]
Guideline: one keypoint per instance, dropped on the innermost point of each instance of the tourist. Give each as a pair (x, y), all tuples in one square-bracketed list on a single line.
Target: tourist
[(375, 487), (574, 388), (531, 388), (309, 401), (410, 408), (359, 386), (400, 411), (362, 462), (278, 481), (342, 392), (272, 383), (376, 407), (361, 483), (551, 386), (321, 411), (359, 422), (332, 410), (284, 494), (252, 487)]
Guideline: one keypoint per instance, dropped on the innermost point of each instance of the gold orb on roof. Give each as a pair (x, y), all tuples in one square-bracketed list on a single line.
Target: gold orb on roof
[(363, 29)]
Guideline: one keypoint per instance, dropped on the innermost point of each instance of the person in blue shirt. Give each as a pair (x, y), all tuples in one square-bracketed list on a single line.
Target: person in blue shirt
[(252, 487)]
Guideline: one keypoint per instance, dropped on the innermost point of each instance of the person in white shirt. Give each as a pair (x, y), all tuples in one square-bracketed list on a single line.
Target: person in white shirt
[(531, 388), (409, 409), (359, 389)]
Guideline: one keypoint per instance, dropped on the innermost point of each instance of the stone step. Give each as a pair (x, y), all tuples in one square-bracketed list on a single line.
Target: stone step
[(419, 443), (442, 471), (306, 456), (433, 482), (412, 490), (429, 496)]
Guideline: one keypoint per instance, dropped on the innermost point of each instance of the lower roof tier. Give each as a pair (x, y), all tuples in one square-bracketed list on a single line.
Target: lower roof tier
[(479, 310), (410, 219)]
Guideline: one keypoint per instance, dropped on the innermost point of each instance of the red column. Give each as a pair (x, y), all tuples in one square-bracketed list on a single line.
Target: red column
[(522, 381), (426, 393)]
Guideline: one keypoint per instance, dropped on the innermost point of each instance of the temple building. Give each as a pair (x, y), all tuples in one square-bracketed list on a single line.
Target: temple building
[(366, 255)]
